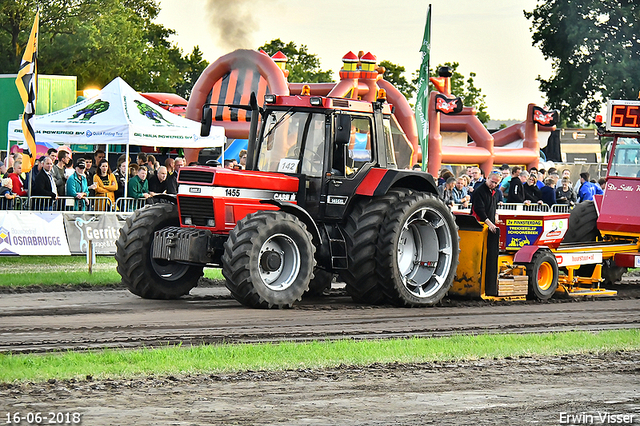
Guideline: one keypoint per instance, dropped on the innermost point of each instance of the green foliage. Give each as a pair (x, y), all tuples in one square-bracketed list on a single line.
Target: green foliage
[(98, 41), (393, 74), (286, 355), (594, 46), (304, 67), (466, 89)]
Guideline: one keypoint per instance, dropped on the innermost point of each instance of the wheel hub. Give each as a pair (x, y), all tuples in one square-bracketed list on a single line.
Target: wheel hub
[(279, 262), (271, 261)]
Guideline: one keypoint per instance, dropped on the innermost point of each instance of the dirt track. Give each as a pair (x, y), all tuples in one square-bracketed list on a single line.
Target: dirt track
[(542, 390)]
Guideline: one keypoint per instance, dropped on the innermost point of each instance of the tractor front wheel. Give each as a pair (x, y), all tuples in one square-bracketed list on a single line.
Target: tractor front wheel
[(143, 275), (268, 260)]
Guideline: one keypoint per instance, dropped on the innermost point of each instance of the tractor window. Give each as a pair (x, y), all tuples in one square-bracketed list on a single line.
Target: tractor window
[(283, 139), (313, 158), (398, 148), (626, 158), (359, 149)]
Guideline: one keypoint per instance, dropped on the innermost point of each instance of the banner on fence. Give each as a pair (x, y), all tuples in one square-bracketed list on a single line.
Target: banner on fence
[(101, 229), (32, 233)]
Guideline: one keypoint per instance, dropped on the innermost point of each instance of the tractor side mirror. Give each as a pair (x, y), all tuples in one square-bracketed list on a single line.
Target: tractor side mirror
[(207, 117), (343, 129)]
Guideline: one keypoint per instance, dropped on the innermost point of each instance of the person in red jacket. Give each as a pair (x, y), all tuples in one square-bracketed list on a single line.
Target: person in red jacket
[(18, 184)]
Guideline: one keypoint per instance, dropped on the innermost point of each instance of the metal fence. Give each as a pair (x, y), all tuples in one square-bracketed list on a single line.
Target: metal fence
[(96, 204), (517, 207)]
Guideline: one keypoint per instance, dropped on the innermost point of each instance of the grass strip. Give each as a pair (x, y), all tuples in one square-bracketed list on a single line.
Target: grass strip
[(318, 354), (23, 271)]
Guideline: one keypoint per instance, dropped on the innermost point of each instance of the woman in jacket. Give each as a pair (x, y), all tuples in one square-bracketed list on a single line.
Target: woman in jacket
[(106, 186)]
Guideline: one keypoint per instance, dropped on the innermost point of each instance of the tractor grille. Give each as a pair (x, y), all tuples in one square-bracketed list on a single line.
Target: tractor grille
[(199, 209), (340, 103), (195, 176)]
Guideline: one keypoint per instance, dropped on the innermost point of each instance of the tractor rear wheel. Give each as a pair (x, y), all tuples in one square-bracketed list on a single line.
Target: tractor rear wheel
[(543, 275), (417, 251), (268, 260), (361, 234), (143, 275)]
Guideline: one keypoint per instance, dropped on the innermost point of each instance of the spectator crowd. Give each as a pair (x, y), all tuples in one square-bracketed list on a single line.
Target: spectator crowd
[(85, 182), (518, 185)]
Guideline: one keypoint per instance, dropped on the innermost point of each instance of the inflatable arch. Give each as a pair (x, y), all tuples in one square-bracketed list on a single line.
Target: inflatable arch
[(232, 78)]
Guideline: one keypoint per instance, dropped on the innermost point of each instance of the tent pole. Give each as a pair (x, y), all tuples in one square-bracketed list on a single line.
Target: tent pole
[(126, 172)]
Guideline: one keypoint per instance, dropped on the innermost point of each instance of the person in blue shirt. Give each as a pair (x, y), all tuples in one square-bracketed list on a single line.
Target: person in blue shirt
[(587, 189), (77, 186)]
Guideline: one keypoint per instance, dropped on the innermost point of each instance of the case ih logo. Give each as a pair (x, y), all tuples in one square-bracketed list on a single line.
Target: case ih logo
[(5, 237)]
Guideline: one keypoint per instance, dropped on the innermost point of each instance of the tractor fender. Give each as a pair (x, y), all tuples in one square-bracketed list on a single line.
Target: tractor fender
[(301, 214), (378, 181), (526, 253)]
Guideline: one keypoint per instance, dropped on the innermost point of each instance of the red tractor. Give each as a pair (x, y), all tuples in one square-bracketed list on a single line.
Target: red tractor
[(322, 194)]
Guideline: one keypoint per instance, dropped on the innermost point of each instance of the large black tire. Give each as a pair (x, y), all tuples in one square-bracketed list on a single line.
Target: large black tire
[(361, 235), (320, 282), (417, 253), (144, 276), (543, 275), (268, 260), (583, 225), (611, 273)]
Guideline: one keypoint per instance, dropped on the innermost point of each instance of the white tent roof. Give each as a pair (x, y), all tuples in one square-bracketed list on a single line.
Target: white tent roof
[(118, 115)]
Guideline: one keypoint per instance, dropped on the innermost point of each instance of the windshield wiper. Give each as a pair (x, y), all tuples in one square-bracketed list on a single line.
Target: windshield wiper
[(278, 123)]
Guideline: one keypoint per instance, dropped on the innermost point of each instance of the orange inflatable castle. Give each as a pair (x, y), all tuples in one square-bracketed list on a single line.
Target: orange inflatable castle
[(232, 78), (486, 149)]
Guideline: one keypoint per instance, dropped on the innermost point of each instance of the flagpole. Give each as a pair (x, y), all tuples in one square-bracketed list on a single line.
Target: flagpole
[(27, 84), (422, 97)]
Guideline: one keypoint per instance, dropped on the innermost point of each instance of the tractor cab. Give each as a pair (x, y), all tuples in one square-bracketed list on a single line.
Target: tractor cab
[(618, 213)]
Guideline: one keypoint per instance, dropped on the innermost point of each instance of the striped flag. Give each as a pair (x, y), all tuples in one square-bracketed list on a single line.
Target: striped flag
[(422, 96), (27, 83)]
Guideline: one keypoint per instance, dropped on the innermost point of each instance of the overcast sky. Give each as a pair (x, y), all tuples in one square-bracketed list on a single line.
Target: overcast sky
[(491, 37)]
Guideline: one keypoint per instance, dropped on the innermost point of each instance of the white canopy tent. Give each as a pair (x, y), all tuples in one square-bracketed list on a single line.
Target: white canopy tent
[(118, 115)]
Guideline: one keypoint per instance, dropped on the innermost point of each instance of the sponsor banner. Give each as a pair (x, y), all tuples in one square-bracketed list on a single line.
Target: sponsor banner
[(522, 232), (554, 230), (579, 258), (101, 229), (32, 233)]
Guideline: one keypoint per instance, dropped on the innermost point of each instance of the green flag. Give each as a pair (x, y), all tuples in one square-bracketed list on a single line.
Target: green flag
[(422, 95)]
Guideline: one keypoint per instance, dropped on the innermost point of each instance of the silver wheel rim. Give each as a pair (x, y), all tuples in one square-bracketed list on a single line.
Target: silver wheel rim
[(424, 252), (287, 272)]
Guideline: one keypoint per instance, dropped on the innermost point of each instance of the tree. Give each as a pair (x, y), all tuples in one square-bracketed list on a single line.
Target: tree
[(191, 68), (594, 46), (304, 67), (393, 74), (466, 89), (98, 40)]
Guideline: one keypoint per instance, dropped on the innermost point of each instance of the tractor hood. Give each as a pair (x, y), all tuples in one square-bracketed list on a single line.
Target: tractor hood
[(237, 179)]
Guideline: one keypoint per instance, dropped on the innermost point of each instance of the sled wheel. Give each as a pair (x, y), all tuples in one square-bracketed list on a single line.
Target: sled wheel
[(143, 275), (268, 260), (543, 275)]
